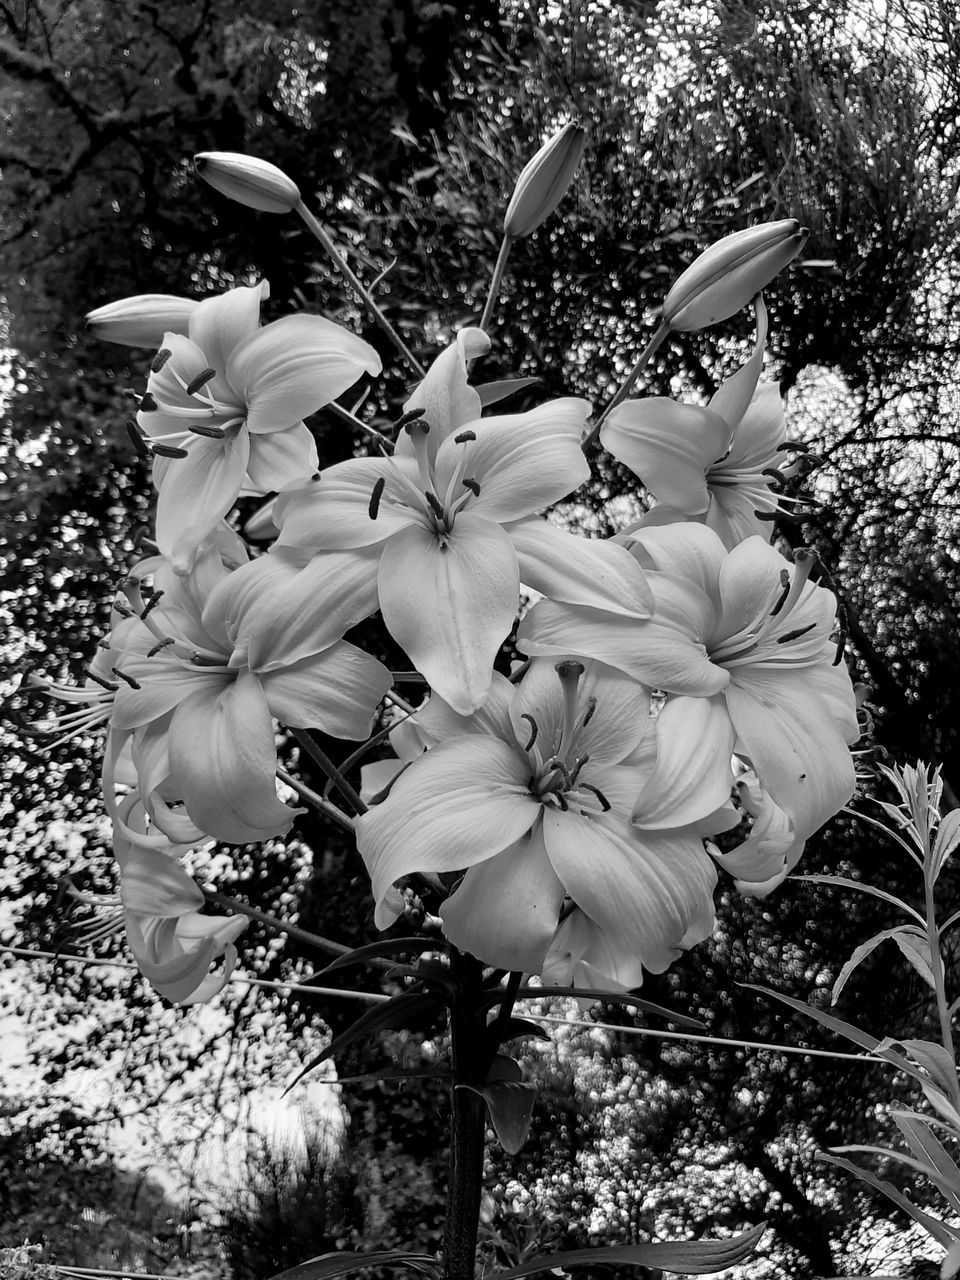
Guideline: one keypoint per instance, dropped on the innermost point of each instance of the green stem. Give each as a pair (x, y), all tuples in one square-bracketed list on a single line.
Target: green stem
[(357, 285), (627, 385), (470, 1064), (493, 294)]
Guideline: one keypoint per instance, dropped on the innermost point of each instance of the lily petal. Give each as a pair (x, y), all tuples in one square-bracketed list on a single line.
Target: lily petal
[(223, 757), (457, 805), (444, 394), (198, 490), (281, 459), (336, 691), (334, 514), (450, 605), (505, 911), (693, 777), (575, 570), (218, 325), (669, 446)]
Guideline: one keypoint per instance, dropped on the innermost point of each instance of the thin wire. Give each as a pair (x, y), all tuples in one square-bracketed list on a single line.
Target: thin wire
[(687, 1035), (371, 997)]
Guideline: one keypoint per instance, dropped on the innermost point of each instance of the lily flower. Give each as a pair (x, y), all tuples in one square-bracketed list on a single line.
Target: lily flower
[(196, 708), (534, 797), (716, 464), (745, 643), (447, 519), (223, 408), (158, 906)]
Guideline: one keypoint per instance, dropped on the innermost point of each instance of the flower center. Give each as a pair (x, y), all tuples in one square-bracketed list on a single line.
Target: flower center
[(556, 781), (768, 637), (204, 414), (439, 513)]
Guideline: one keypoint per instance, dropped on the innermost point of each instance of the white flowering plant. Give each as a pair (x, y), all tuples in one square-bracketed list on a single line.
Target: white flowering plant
[(555, 822)]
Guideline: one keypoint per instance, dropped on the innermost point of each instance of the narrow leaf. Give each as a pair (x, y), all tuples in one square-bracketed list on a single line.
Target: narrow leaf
[(925, 1144), (843, 883), (329, 1265), (514, 1028), (933, 1226), (492, 392), (916, 949), (375, 951), (396, 1073), (510, 1105), (402, 1011), (610, 997), (948, 837), (688, 1257)]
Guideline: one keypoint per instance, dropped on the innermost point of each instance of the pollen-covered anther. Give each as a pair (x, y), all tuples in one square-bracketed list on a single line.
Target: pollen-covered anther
[(160, 359), (123, 608), (784, 592), (472, 485), (374, 508), (153, 599), (841, 643), (201, 380), (795, 635), (211, 433), (436, 506), (414, 423), (104, 684), (577, 768), (465, 437), (534, 730), (121, 675), (147, 403), (168, 451), (136, 436), (588, 714), (162, 644)]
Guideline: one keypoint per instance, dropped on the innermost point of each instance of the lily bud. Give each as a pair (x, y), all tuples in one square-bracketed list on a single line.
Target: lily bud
[(728, 274), (544, 181), (141, 320), (255, 183)]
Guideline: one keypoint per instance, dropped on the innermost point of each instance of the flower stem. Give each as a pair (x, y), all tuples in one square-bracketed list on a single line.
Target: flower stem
[(936, 967), (493, 294), (470, 1063), (626, 386), (357, 285), (318, 802), (320, 757)]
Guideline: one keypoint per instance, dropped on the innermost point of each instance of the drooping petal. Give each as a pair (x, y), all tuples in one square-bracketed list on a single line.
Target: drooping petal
[(218, 325), (163, 683), (761, 429), (655, 889), (583, 955), (457, 805), (173, 972), (505, 911), (450, 605), (223, 757), (339, 513), (294, 366), (154, 884), (167, 386), (688, 551), (198, 490), (576, 570), (669, 446), (336, 691), (444, 394), (735, 393), (438, 721), (281, 459), (656, 654), (693, 776), (793, 741), (522, 463)]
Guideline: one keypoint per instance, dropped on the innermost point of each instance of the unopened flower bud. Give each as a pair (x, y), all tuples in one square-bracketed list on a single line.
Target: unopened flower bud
[(141, 320), (255, 183), (544, 181), (728, 274)]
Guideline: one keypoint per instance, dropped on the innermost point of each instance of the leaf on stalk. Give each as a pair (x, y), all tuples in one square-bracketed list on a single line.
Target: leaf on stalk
[(844, 883), (329, 1265), (396, 1073), (492, 392), (375, 951), (510, 1106), (940, 1231), (514, 1028), (948, 837), (925, 1145), (688, 1257), (911, 941), (933, 1057), (409, 1009), (610, 997)]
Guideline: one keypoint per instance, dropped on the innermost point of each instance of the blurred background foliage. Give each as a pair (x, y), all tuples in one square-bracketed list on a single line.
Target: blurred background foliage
[(405, 123)]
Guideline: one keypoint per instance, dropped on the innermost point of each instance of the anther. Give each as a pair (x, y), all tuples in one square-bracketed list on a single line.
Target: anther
[(153, 600), (576, 770), (136, 435), (797, 446), (588, 714), (211, 433), (168, 451), (405, 420), (795, 635), (164, 644), (464, 437), (375, 497), (123, 676), (104, 684), (436, 506), (788, 516), (124, 610), (147, 403), (782, 598), (775, 475), (841, 644), (201, 380), (605, 804), (160, 359), (472, 485), (534, 730)]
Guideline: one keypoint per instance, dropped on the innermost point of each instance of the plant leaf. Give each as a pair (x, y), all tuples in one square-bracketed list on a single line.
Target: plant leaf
[(940, 1231), (611, 997), (517, 1027), (492, 392), (397, 1073), (403, 1010), (924, 1144), (688, 1257), (375, 951), (948, 837), (844, 883), (907, 937), (915, 946), (329, 1265), (510, 1104)]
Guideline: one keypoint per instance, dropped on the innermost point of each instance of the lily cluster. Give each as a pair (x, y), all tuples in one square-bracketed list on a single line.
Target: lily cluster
[(683, 682)]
